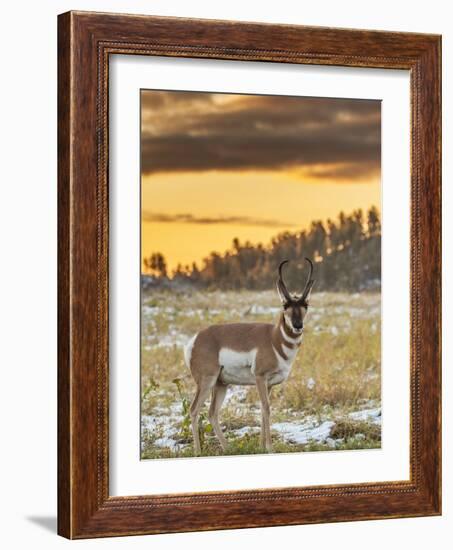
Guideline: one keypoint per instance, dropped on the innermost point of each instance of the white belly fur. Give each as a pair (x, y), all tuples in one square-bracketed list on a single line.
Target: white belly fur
[(238, 367)]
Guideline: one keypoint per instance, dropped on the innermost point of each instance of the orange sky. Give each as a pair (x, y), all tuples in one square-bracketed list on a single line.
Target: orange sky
[(220, 166)]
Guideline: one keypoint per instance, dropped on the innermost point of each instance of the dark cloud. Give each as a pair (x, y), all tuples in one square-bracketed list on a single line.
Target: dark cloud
[(189, 218), (152, 99), (186, 131)]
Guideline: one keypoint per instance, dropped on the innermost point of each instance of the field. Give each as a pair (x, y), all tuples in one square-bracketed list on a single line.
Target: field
[(331, 400)]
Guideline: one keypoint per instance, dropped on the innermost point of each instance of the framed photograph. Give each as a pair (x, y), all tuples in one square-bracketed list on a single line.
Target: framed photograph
[(249, 275)]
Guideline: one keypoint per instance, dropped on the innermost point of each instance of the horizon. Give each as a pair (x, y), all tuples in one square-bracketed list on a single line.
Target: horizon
[(265, 246)]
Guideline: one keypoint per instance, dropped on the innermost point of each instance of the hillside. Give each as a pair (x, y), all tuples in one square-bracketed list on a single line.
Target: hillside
[(346, 252)]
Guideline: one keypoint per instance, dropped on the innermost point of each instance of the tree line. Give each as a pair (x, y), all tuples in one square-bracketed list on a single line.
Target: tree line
[(346, 253)]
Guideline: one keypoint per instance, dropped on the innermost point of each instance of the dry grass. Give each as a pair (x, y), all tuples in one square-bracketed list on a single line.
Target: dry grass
[(336, 372)]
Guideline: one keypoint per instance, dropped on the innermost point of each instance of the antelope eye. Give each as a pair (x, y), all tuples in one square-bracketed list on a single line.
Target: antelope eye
[(286, 306)]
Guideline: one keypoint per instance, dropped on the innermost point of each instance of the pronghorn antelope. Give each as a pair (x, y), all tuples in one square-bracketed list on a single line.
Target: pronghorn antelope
[(244, 354)]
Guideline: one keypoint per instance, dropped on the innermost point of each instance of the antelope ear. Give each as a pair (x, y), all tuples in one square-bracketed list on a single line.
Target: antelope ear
[(308, 291), (281, 292)]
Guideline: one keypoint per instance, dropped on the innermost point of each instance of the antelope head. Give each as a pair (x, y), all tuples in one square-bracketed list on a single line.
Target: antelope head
[(295, 306)]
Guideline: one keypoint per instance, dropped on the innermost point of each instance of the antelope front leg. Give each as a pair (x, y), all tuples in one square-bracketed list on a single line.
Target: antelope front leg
[(263, 392)]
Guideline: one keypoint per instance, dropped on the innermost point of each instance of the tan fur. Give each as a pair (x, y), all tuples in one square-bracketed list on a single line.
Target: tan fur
[(204, 365)]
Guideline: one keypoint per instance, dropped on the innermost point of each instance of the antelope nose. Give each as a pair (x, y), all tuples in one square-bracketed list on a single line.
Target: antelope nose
[(298, 325)]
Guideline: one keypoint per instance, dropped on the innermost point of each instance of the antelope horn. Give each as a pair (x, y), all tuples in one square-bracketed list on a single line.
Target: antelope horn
[(310, 282), (281, 282)]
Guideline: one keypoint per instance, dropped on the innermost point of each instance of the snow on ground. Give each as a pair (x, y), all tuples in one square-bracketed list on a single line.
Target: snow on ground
[(262, 310), (167, 443), (166, 329), (305, 432), (246, 430), (298, 432), (367, 415), (178, 340)]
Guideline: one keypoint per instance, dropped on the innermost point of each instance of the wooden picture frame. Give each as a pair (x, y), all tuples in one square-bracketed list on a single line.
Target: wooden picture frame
[(85, 42)]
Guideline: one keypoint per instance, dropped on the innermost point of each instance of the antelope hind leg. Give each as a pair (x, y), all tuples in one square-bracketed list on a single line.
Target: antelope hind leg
[(218, 396), (203, 388)]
